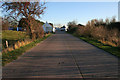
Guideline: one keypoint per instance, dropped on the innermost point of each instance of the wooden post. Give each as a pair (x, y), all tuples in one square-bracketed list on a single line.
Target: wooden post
[(6, 43)]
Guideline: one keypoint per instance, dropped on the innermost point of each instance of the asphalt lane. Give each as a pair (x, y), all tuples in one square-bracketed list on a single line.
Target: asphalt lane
[(63, 56)]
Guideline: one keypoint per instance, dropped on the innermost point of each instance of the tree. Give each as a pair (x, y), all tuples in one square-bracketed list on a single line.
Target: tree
[(28, 10), (72, 23), (113, 20), (72, 26), (88, 23), (51, 24), (5, 24), (107, 21), (63, 27), (25, 9), (80, 25)]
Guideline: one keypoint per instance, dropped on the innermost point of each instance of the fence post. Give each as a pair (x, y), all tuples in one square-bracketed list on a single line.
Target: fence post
[(6, 43)]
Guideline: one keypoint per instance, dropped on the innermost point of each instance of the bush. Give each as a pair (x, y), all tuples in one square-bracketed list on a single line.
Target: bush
[(34, 27), (109, 33), (72, 27), (99, 33)]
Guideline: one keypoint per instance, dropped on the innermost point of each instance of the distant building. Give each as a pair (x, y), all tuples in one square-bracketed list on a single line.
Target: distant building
[(47, 27)]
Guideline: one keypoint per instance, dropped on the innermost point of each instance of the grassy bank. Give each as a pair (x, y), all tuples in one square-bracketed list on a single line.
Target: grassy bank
[(113, 50), (13, 55), (12, 37)]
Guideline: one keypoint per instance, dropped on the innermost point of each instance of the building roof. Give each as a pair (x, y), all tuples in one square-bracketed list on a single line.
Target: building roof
[(47, 24)]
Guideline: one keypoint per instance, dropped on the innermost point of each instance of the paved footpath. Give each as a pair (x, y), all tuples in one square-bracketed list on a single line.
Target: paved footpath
[(63, 56)]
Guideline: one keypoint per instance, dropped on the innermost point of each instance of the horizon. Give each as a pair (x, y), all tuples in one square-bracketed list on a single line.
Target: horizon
[(62, 12)]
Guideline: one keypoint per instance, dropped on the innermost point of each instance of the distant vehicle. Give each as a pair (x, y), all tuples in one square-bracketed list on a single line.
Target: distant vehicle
[(62, 28)]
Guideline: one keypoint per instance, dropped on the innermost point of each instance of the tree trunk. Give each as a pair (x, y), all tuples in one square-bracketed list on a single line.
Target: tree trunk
[(29, 28)]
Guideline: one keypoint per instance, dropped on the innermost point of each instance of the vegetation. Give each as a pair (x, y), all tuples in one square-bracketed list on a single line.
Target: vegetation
[(28, 10), (14, 13), (13, 55), (36, 27), (12, 37), (21, 14), (5, 24), (105, 35), (113, 50), (72, 26)]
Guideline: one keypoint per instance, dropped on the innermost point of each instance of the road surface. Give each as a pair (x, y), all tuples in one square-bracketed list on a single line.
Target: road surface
[(63, 56)]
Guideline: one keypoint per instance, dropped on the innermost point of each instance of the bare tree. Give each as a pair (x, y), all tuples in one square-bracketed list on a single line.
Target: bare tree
[(28, 10), (24, 9)]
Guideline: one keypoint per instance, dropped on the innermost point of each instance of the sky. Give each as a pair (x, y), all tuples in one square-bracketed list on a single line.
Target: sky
[(82, 12), (64, 12)]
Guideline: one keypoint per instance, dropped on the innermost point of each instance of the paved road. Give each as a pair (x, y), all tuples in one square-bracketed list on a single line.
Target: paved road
[(63, 56)]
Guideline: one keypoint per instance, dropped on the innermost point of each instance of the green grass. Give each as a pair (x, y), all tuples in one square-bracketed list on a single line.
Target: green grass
[(13, 55), (111, 49), (12, 37)]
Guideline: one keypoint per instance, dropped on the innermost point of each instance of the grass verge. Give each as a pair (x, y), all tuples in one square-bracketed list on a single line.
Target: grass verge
[(12, 37), (13, 55), (113, 50)]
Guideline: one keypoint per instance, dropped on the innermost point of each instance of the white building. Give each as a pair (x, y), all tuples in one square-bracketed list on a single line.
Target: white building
[(47, 27), (54, 29)]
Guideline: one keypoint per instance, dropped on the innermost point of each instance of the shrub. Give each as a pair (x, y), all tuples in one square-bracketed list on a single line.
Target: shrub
[(99, 33), (72, 27), (35, 30), (107, 32)]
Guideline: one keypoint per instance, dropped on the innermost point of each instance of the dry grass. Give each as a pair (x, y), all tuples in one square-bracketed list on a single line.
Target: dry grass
[(105, 35), (110, 36), (14, 54)]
